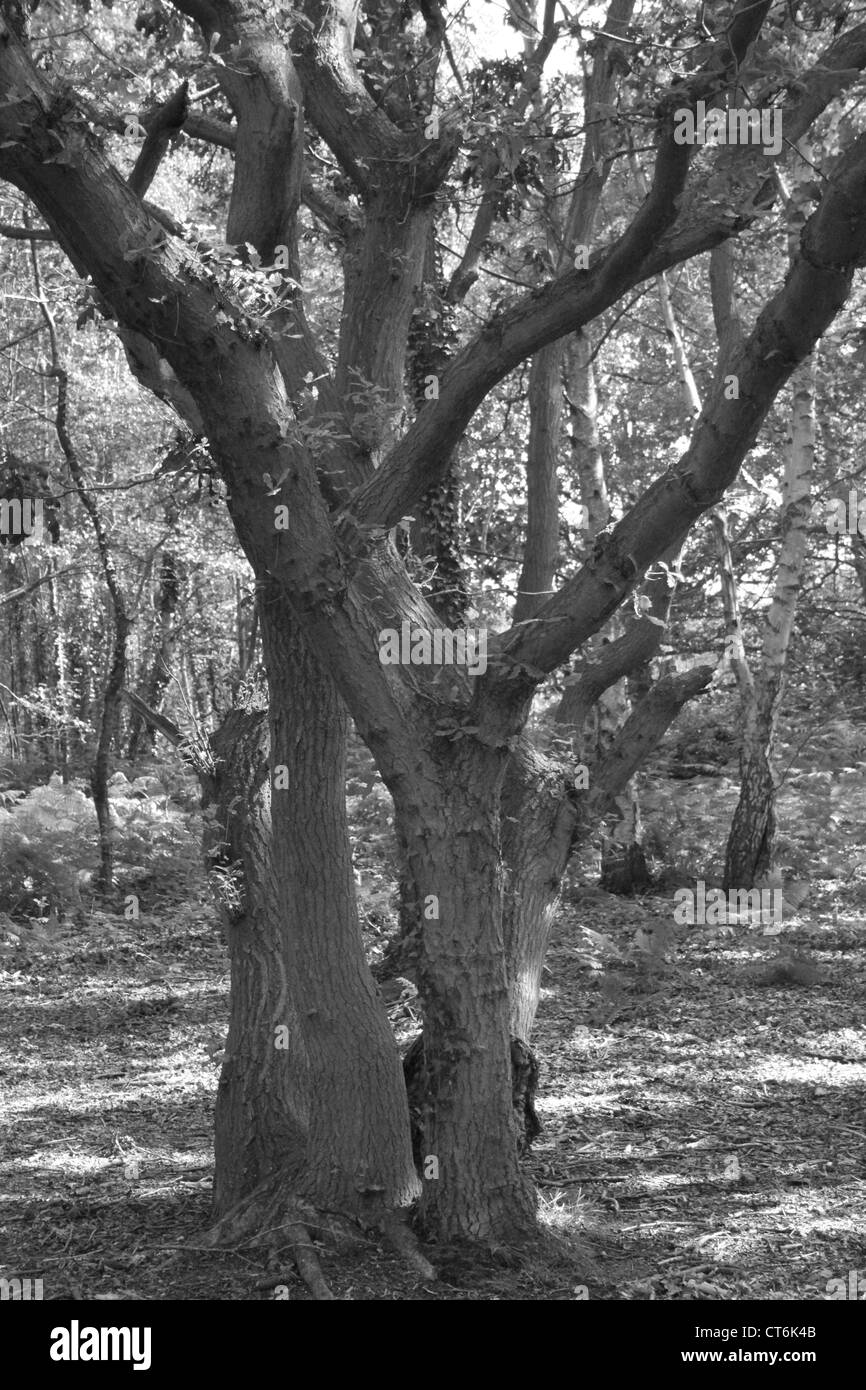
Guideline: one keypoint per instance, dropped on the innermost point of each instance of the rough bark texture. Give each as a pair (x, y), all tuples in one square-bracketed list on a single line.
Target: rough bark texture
[(261, 1114), (472, 1183), (358, 1155), (539, 819)]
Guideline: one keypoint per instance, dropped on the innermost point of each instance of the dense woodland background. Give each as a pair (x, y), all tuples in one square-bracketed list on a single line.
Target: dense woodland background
[(699, 1089)]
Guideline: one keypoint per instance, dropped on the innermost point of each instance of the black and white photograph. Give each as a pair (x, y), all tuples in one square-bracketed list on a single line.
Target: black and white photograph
[(432, 671)]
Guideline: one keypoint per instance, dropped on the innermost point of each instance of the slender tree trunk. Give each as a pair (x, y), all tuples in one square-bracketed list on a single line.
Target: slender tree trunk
[(623, 861), (141, 735), (108, 730), (113, 694), (541, 548), (749, 853), (60, 673)]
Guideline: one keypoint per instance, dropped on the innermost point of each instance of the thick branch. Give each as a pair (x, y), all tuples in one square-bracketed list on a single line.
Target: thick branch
[(619, 658), (563, 305), (832, 244), (167, 121), (258, 78), (574, 298), (359, 133), (640, 734)]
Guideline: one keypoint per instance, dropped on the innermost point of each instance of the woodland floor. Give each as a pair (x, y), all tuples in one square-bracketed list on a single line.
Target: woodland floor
[(704, 1107)]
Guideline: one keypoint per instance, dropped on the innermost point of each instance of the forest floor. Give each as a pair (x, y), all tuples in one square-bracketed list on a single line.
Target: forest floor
[(702, 1095)]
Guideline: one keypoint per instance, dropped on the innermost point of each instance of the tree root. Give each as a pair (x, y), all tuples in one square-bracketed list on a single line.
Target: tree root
[(404, 1241), (268, 1216), (307, 1263), (271, 1216)]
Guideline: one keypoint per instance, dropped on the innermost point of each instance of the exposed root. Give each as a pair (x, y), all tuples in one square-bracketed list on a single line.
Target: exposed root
[(262, 1216), (395, 1230), (268, 1216), (273, 1216), (307, 1262)]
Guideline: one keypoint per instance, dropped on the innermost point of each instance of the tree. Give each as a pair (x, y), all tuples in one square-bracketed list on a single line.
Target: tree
[(319, 479)]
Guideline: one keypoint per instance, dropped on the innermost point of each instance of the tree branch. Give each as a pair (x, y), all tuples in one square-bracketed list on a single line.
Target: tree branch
[(639, 735), (832, 245), (360, 134), (158, 721), (464, 275), (565, 304), (259, 80), (26, 233), (166, 122)]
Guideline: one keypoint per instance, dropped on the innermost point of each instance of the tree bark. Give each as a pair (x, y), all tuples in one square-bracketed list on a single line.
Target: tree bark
[(261, 1114), (539, 819), (749, 851), (359, 1157), (473, 1187)]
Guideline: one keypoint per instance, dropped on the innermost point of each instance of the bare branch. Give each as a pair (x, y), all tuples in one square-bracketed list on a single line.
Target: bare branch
[(167, 121), (36, 583), (26, 233)]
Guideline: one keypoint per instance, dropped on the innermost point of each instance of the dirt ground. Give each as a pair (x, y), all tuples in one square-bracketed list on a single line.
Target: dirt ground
[(702, 1099)]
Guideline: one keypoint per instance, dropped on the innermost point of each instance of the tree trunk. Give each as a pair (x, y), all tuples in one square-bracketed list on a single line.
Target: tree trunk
[(749, 853), (261, 1111), (623, 862), (541, 549), (142, 734), (113, 695), (858, 552), (538, 824), (451, 846), (359, 1156), (108, 730)]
